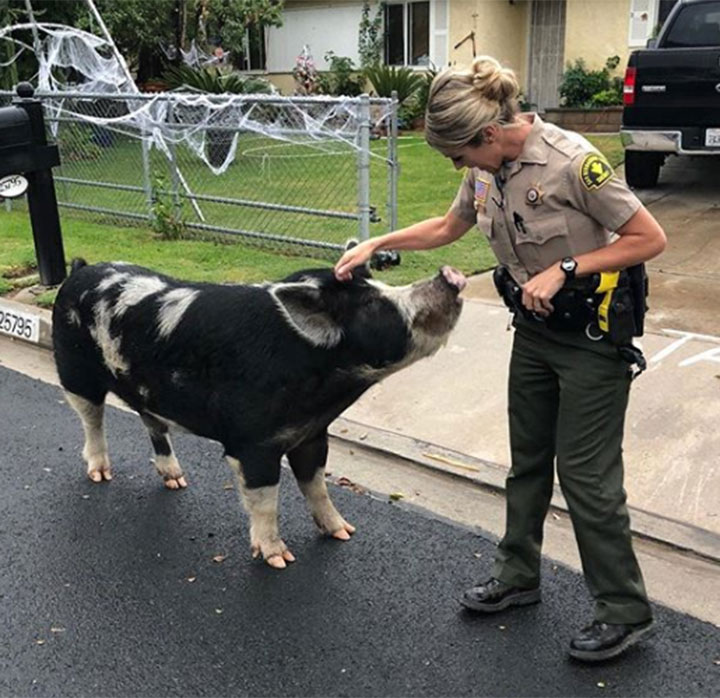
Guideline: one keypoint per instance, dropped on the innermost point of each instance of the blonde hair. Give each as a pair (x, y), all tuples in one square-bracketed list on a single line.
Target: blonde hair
[(462, 101)]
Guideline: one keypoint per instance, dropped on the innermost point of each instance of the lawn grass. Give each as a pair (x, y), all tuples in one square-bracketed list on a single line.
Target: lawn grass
[(427, 186)]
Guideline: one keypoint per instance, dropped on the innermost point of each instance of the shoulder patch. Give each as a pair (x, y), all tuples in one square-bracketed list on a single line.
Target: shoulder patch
[(595, 171)]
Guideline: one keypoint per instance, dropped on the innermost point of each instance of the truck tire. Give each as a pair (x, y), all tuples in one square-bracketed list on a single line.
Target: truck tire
[(642, 169)]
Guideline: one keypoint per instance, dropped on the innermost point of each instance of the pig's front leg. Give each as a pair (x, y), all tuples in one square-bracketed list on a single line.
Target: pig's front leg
[(308, 463), (258, 484)]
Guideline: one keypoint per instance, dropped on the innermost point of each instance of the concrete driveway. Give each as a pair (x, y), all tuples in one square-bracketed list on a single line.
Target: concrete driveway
[(685, 279)]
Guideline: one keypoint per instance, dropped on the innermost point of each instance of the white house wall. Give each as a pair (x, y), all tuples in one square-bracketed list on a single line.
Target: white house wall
[(325, 27)]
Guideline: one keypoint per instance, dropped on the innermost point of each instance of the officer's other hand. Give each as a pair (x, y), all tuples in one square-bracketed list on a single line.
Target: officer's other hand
[(539, 291), (352, 258)]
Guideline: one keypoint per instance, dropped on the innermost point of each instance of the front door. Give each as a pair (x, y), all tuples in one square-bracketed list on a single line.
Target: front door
[(547, 42)]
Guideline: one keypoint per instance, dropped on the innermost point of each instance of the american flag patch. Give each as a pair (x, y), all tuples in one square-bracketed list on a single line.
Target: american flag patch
[(482, 187)]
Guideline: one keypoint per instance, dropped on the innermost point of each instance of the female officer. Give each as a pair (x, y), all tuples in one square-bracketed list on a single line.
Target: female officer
[(552, 209)]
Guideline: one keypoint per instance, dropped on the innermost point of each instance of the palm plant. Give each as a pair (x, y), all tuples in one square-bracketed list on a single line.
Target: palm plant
[(387, 78), (214, 81)]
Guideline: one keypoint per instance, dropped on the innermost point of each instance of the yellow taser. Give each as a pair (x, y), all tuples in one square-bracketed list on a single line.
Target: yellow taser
[(608, 284)]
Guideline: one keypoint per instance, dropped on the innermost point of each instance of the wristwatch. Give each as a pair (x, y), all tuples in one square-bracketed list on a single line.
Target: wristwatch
[(569, 265)]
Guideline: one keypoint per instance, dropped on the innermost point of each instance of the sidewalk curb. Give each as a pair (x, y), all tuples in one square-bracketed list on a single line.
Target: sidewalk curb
[(488, 475), (485, 474)]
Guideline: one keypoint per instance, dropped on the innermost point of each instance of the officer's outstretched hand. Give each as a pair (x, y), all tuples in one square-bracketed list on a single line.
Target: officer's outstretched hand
[(539, 291), (352, 258)]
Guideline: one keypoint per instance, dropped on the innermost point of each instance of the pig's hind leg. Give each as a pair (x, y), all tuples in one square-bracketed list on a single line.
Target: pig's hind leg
[(95, 450), (308, 464), (165, 461), (258, 478)]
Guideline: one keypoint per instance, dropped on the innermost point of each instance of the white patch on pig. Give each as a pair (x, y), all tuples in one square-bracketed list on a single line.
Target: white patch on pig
[(292, 300), (136, 289), (408, 301), (73, 317), (323, 511), (113, 278), (95, 450), (174, 305), (109, 346), (261, 506)]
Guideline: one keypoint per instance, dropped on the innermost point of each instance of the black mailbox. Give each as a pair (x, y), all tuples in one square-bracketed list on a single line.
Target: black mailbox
[(14, 128), (25, 154)]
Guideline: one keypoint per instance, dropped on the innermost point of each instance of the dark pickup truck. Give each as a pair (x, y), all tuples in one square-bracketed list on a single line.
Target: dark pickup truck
[(671, 93)]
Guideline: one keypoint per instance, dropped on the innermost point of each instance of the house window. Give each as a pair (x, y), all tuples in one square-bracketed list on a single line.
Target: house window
[(252, 54), (407, 33)]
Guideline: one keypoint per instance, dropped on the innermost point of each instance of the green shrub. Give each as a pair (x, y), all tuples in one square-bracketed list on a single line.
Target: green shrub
[(342, 78), (167, 221), (414, 107), (581, 87)]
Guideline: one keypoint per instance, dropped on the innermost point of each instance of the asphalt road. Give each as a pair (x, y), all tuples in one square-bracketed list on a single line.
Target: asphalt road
[(96, 597)]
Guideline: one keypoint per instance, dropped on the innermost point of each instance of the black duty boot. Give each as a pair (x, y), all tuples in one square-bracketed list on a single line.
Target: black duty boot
[(601, 641), (494, 595)]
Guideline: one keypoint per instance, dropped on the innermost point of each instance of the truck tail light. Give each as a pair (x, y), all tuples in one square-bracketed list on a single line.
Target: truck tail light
[(629, 87)]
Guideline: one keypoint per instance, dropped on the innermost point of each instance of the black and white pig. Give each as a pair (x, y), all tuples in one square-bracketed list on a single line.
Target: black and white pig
[(261, 368)]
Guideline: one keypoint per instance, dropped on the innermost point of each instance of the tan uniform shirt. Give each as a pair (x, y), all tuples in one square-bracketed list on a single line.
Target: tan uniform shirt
[(560, 198)]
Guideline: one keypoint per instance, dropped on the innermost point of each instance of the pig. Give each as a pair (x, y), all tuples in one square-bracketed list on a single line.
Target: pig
[(261, 368)]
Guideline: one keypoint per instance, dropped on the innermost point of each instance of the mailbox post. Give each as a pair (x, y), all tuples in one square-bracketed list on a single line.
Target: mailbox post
[(26, 162)]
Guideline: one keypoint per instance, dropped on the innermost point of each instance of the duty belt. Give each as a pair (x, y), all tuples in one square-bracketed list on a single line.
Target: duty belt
[(608, 305)]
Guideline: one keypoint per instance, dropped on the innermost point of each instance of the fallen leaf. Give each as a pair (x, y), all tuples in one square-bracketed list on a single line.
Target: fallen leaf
[(39, 642), (555, 516), (191, 579), (502, 627), (362, 437), (344, 481), (219, 558), (218, 611), (86, 496), (450, 461), (57, 630), (343, 431), (395, 496), (228, 486), (47, 470), (601, 684), (477, 555)]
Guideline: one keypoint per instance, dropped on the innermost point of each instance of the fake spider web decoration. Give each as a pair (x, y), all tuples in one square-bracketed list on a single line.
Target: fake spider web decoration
[(326, 125)]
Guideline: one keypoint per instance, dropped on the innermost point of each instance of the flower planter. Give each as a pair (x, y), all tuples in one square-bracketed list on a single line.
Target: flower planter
[(595, 120)]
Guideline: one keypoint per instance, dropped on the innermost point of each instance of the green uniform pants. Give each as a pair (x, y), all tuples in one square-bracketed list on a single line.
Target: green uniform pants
[(567, 402)]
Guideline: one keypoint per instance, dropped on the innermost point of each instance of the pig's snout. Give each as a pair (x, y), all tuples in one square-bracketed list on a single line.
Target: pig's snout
[(453, 277)]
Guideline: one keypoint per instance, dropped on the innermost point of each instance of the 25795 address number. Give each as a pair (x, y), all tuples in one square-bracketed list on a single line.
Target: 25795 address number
[(19, 325)]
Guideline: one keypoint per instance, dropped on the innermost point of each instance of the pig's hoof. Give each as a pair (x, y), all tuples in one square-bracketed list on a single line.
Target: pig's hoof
[(176, 483), (275, 554), (99, 470), (344, 532)]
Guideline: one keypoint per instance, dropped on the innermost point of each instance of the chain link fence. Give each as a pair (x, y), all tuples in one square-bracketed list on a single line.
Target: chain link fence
[(299, 174)]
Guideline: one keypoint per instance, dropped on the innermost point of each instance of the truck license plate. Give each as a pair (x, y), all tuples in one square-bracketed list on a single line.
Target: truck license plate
[(17, 323), (712, 138)]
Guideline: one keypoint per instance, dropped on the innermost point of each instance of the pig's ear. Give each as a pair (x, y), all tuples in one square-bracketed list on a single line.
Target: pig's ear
[(303, 306)]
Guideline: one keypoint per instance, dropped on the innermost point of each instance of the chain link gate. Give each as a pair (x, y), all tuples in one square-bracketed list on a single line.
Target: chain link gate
[(298, 174)]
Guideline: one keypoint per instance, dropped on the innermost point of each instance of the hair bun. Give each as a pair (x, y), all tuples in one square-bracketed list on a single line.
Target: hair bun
[(492, 80)]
